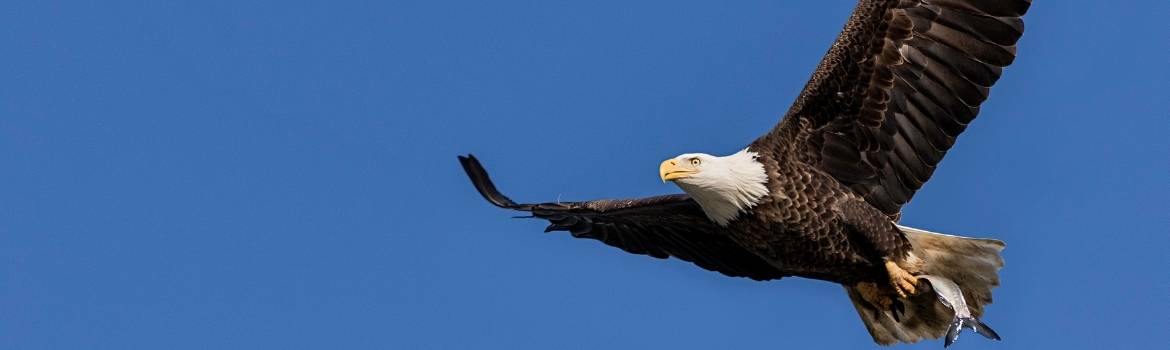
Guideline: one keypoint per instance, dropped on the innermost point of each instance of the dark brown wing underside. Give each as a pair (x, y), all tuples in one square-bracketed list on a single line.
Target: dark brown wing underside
[(902, 81), (661, 227)]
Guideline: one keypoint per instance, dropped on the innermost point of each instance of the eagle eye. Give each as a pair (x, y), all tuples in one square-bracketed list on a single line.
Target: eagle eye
[(695, 161)]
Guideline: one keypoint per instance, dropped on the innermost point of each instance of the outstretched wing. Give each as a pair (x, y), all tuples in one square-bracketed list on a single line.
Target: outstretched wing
[(903, 79), (661, 227)]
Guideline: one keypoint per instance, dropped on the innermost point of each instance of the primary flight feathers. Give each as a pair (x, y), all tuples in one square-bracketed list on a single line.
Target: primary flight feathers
[(661, 226)]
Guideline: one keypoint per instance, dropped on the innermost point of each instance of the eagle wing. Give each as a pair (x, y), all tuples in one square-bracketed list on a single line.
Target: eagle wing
[(903, 79), (661, 227)]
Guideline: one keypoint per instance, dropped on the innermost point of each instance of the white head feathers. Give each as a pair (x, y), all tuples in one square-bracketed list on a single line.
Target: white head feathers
[(723, 186)]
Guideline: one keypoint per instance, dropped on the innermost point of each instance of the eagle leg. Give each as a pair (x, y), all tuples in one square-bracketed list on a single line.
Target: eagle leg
[(904, 283)]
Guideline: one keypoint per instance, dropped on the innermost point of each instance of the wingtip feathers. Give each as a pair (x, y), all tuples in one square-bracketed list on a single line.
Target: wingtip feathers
[(483, 183)]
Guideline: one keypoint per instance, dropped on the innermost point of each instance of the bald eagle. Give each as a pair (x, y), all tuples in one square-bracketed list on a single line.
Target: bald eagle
[(819, 196)]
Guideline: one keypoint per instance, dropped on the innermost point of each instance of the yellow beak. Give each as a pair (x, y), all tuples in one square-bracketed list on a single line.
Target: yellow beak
[(671, 170)]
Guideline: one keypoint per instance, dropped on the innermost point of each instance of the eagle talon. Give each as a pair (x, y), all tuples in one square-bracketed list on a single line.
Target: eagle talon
[(903, 282), (898, 310)]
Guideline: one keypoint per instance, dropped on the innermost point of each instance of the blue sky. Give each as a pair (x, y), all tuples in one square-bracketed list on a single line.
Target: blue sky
[(276, 174)]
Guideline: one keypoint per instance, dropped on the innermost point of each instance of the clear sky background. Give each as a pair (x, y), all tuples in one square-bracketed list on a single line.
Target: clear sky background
[(282, 174)]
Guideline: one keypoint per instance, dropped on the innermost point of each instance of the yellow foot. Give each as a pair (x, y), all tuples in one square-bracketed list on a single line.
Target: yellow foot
[(903, 282), (874, 295)]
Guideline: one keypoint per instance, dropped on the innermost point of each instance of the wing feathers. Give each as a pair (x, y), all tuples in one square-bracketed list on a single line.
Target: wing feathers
[(483, 184), (990, 29), (983, 51), (660, 227), (902, 81), (1004, 8)]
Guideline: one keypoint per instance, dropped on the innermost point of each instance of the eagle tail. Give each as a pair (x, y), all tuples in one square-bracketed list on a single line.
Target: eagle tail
[(972, 263)]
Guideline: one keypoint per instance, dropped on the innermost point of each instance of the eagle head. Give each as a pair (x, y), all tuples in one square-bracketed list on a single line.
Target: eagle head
[(723, 186)]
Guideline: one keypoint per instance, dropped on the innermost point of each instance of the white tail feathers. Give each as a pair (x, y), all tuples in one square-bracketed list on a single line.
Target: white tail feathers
[(972, 263)]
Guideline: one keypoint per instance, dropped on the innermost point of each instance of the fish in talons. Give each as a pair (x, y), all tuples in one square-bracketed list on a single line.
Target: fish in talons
[(951, 296)]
